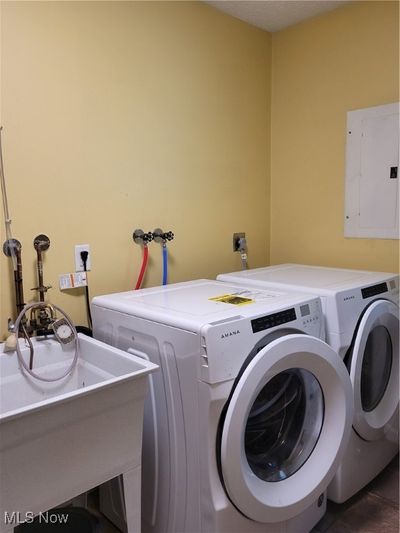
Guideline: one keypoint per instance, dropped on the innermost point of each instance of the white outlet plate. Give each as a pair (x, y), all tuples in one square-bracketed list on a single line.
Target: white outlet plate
[(78, 261)]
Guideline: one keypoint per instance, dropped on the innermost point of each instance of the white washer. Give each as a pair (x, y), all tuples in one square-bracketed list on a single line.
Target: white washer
[(362, 324), (250, 413)]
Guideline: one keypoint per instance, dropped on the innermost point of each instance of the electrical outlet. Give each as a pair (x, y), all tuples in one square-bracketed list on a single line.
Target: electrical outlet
[(236, 239), (78, 260)]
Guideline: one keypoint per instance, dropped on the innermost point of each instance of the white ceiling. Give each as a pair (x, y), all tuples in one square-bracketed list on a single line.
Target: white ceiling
[(274, 15)]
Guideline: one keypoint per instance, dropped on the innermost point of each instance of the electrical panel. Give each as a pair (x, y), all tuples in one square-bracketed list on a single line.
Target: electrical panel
[(372, 183)]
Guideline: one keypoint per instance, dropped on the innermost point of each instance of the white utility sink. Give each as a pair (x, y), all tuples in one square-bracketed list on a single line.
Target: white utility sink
[(60, 439)]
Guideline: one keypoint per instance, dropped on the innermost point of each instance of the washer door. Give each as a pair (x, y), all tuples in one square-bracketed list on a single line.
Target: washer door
[(374, 370), (286, 428)]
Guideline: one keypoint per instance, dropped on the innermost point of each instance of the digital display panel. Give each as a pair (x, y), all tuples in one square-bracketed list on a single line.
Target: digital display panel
[(276, 319), (374, 290)]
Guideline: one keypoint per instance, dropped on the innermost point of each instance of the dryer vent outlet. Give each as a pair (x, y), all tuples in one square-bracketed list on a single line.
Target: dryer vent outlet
[(236, 240)]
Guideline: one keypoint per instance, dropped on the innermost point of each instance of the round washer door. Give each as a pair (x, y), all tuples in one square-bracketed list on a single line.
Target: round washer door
[(374, 370), (286, 428)]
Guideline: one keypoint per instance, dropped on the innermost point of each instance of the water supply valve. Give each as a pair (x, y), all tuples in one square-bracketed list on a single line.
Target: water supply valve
[(11, 247), (41, 243), (140, 237), (161, 236), (43, 315)]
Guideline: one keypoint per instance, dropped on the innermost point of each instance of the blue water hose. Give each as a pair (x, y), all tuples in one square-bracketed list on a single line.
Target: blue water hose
[(165, 264)]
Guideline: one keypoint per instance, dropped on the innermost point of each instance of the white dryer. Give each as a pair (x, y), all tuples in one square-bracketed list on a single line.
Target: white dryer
[(362, 324), (250, 413)]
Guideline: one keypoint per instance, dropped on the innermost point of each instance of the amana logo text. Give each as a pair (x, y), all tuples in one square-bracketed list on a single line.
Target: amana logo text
[(230, 333)]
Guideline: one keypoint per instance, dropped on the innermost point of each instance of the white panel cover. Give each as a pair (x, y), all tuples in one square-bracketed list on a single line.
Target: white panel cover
[(372, 157)]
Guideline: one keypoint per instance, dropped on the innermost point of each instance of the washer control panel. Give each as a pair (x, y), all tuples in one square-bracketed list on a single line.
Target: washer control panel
[(275, 319), (374, 290)]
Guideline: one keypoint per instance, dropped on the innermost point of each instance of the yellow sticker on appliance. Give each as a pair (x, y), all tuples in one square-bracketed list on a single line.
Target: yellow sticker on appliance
[(233, 299)]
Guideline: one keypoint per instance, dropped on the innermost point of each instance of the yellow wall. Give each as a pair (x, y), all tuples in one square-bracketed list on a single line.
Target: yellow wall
[(322, 68), (119, 115)]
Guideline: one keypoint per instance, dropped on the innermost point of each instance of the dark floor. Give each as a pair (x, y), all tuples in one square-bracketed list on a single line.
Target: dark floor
[(374, 510)]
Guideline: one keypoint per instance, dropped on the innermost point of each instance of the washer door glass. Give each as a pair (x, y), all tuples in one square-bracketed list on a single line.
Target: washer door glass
[(376, 367), (284, 424)]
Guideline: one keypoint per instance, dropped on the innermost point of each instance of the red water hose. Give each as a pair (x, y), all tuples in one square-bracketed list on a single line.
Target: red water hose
[(143, 267)]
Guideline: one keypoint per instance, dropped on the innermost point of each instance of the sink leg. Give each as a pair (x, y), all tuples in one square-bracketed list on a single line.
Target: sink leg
[(132, 490)]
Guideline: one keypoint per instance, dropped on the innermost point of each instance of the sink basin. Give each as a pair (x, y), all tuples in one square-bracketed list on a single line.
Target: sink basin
[(60, 439)]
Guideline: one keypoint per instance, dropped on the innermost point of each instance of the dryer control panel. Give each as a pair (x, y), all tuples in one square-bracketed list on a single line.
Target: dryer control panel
[(345, 309)]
